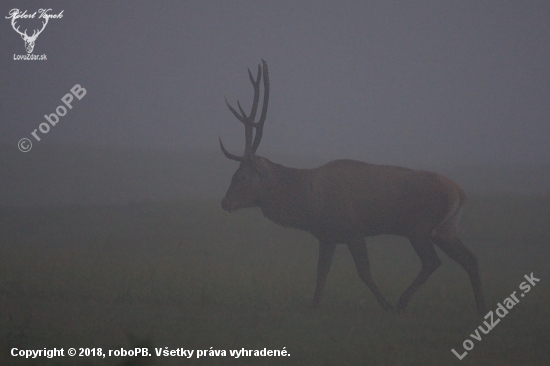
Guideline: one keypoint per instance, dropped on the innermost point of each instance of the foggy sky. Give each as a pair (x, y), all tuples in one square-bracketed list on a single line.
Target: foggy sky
[(410, 83)]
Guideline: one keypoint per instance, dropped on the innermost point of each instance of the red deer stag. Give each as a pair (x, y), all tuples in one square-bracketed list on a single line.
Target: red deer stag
[(345, 201)]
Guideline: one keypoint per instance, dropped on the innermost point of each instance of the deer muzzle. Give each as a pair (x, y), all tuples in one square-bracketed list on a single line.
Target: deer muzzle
[(226, 204)]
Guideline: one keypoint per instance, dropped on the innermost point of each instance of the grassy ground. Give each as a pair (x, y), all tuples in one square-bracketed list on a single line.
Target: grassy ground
[(188, 275)]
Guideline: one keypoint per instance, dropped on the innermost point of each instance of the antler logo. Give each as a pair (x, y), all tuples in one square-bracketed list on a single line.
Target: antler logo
[(30, 40)]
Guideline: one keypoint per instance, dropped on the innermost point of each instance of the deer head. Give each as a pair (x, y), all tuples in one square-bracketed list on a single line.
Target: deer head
[(29, 40), (249, 180)]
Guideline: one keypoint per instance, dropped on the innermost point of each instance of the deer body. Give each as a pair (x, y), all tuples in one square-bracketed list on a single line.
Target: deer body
[(348, 198), (345, 201)]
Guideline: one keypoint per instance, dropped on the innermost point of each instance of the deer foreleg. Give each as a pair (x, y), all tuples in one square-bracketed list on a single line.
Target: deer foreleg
[(326, 253), (358, 250)]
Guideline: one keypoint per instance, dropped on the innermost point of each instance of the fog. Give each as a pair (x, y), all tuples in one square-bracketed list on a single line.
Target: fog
[(416, 84), (112, 235)]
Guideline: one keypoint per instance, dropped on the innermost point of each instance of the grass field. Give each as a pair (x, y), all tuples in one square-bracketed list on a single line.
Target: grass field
[(188, 275)]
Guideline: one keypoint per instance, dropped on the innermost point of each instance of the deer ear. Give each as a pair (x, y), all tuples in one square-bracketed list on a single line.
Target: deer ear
[(263, 168)]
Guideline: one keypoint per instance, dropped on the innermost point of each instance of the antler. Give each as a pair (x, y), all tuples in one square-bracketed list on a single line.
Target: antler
[(248, 121)]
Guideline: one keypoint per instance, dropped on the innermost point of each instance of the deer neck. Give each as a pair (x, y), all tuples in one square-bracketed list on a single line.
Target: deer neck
[(285, 200)]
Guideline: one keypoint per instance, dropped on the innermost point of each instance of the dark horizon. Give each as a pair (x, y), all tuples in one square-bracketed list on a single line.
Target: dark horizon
[(73, 174)]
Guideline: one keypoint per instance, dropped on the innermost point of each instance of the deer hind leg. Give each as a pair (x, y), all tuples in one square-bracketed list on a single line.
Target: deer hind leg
[(326, 253), (454, 248), (446, 238), (358, 250), (424, 247)]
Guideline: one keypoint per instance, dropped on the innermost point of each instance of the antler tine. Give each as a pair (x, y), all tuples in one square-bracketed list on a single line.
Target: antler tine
[(242, 112), (241, 118), (260, 124), (249, 127), (228, 154), (256, 86)]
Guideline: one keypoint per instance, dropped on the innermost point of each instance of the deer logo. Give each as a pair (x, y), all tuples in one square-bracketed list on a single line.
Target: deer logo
[(31, 40)]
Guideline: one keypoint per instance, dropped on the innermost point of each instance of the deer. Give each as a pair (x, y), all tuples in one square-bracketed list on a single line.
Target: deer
[(346, 201)]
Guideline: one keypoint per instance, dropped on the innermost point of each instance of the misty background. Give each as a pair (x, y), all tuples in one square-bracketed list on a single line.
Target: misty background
[(461, 88)]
